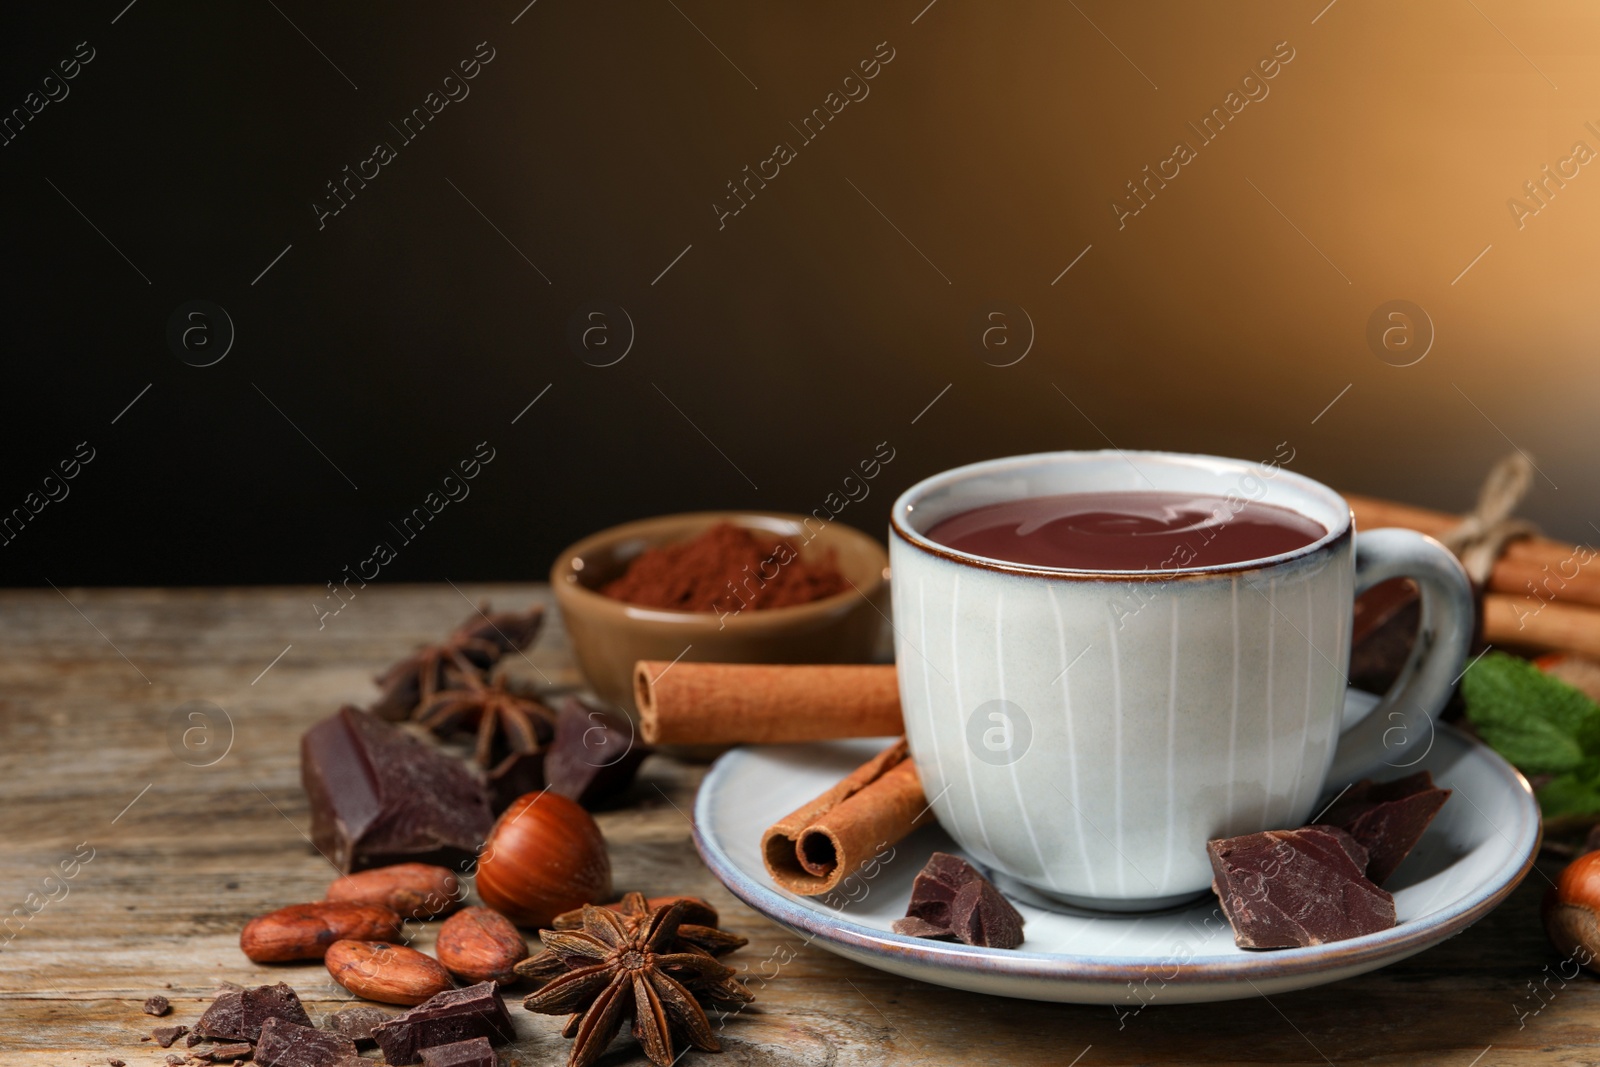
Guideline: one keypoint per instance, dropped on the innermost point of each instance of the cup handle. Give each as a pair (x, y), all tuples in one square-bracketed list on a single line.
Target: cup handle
[(1399, 729)]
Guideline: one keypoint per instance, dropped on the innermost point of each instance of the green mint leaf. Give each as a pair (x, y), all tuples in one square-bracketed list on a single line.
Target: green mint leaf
[(1541, 724), (1571, 794), (1533, 746)]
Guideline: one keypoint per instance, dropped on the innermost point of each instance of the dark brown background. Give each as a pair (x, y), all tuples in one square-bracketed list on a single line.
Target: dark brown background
[(779, 351)]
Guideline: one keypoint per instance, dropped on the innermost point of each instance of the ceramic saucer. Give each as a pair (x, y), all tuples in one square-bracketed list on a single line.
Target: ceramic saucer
[(1476, 851)]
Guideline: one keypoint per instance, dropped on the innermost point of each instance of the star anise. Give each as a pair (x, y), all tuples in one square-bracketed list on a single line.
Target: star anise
[(617, 960), (698, 927), (507, 724), (471, 650), (697, 931)]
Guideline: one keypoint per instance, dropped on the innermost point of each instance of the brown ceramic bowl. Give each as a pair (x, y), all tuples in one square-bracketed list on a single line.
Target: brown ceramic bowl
[(608, 636)]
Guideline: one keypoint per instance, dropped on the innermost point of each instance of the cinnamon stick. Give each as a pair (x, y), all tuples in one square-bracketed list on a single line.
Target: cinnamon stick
[(1539, 568), (813, 848), (738, 703), (1524, 622)]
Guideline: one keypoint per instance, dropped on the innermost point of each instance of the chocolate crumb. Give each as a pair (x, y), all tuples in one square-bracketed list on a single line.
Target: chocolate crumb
[(166, 1035), (473, 1053), (116, 1063), (157, 1005), (911, 926)]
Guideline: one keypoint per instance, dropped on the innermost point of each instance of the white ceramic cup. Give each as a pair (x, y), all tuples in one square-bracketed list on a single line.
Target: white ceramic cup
[(1087, 732)]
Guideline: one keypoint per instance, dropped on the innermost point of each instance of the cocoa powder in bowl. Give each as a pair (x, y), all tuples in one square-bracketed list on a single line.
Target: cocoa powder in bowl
[(726, 568)]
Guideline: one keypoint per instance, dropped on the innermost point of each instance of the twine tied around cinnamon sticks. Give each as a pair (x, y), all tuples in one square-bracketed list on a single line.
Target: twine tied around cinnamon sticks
[(1539, 594), (1483, 533)]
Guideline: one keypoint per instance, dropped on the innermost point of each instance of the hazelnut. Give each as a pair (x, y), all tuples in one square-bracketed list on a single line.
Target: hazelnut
[(1571, 911), (544, 856)]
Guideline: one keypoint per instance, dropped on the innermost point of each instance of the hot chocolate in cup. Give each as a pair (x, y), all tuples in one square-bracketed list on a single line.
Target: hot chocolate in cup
[(1108, 658)]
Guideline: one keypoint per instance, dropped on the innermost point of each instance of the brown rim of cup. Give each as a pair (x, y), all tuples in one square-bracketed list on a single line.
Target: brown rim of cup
[(1334, 538)]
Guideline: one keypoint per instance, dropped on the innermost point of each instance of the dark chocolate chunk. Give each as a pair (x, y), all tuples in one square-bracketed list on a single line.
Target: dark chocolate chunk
[(218, 1053), (936, 886), (981, 916), (474, 1053), (595, 753), (516, 774), (911, 926), (1383, 632), (357, 1024), (1388, 818), (117, 1063), (454, 1015), (1292, 888), (157, 1005), (285, 1044), (166, 1035), (224, 1018), (950, 898), (380, 796), (240, 1016), (1347, 843), (270, 1002)]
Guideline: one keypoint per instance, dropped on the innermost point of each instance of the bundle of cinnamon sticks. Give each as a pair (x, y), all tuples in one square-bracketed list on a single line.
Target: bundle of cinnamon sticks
[(1543, 595)]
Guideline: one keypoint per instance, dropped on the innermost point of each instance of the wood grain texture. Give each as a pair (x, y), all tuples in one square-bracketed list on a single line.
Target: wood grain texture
[(89, 680)]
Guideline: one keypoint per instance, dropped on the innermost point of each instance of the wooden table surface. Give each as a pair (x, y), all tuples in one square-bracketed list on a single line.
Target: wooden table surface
[(92, 680)]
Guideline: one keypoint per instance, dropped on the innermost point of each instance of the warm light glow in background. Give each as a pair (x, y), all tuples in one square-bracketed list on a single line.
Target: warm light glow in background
[(808, 329)]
